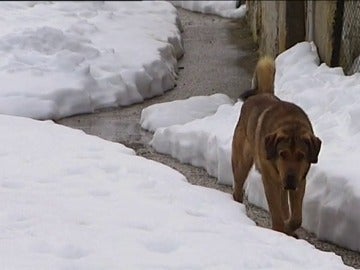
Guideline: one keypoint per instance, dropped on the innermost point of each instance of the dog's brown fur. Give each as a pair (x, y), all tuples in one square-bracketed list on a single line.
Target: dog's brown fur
[(278, 137)]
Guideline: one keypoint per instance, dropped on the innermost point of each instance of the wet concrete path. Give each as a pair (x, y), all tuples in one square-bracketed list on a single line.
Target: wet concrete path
[(219, 58)]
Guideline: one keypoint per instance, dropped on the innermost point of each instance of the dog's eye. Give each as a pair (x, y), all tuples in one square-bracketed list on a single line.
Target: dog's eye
[(299, 156), (284, 154)]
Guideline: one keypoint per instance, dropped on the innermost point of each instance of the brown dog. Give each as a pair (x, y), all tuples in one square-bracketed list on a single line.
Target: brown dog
[(278, 137)]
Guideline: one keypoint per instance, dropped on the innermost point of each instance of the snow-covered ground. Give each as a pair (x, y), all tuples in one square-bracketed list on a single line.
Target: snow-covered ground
[(332, 102), (74, 201), (63, 58), (156, 116), (225, 9)]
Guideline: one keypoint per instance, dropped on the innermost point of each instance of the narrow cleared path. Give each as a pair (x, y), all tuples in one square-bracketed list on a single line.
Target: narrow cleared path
[(219, 58)]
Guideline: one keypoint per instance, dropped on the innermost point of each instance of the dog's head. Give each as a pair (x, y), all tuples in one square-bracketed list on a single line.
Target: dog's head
[(292, 154)]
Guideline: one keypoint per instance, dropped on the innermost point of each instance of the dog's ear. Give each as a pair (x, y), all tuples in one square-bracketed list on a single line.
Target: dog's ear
[(270, 145), (314, 145)]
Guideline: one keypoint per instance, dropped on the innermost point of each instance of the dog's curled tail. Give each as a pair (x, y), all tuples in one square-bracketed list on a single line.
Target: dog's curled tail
[(263, 79)]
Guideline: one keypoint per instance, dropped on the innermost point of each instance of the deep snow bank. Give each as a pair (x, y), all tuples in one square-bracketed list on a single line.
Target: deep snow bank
[(187, 110), (94, 204), (65, 58)]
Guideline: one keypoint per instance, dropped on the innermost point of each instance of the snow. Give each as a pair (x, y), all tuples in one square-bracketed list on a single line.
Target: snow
[(225, 9), (331, 100), (161, 115), (93, 204), (65, 58), (74, 201)]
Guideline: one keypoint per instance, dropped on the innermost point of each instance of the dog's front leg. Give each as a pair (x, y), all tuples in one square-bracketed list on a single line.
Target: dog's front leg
[(296, 202), (273, 196), (285, 204)]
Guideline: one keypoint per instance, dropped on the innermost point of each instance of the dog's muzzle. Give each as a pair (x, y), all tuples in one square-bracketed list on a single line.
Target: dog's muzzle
[(290, 182)]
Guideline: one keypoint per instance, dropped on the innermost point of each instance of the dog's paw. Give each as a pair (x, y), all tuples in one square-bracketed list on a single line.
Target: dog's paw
[(295, 235), (238, 197), (292, 234)]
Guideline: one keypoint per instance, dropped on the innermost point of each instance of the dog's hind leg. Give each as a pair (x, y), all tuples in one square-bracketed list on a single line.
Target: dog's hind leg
[(242, 160)]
